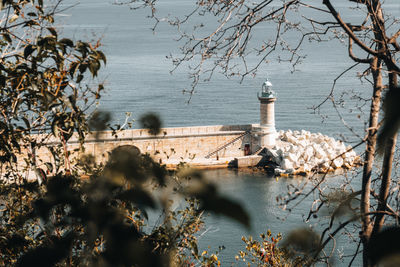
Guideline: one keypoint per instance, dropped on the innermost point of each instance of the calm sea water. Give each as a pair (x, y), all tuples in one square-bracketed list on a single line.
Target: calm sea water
[(138, 80)]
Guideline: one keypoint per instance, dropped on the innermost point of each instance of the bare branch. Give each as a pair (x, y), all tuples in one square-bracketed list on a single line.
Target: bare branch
[(347, 29), (330, 95), (353, 57)]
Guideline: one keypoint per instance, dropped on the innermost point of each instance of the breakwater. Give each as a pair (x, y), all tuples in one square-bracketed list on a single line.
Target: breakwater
[(199, 146), (174, 145), (216, 146), (303, 152)]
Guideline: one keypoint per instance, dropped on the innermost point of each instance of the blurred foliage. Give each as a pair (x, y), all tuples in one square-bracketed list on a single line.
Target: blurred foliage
[(267, 252), (89, 214), (151, 122), (303, 243), (384, 247), (99, 120), (211, 200), (103, 220), (341, 203), (42, 79), (391, 121)]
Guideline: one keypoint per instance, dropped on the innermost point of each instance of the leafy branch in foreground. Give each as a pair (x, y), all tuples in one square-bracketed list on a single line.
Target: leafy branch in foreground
[(104, 220), (43, 82), (267, 252), (46, 96)]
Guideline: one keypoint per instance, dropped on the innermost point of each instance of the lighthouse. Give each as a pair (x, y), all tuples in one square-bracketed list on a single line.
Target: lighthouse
[(265, 131)]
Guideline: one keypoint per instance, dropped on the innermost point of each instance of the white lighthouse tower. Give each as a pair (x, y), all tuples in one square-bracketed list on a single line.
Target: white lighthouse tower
[(266, 131)]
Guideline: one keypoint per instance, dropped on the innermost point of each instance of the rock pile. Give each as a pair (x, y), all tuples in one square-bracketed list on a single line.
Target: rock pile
[(302, 152)]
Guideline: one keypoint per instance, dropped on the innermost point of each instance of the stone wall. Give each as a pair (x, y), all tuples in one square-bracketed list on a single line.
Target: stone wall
[(183, 143)]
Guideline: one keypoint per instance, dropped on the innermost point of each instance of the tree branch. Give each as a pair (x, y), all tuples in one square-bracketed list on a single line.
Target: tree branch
[(353, 57), (347, 29)]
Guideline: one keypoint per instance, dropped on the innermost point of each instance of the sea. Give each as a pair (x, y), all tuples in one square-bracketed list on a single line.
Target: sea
[(138, 80)]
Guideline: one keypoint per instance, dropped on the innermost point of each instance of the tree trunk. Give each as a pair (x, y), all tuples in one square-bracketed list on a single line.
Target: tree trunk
[(366, 227)]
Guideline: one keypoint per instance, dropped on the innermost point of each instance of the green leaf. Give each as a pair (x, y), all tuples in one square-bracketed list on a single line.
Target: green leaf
[(28, 125), (52, 31), (28, 50), (72, 68), (54, 128), (102, 57), (49, 166), (72, 100), (79, 78), (2, 81), (49, 18), (195, 248), (93, 69), (83, 68), (30, 23), (13, 18), (7, 37), (67, 42)]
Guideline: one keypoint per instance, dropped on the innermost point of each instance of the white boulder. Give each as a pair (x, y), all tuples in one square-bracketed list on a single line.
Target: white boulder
[(286, 164), (302, 151), (338, 162)]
